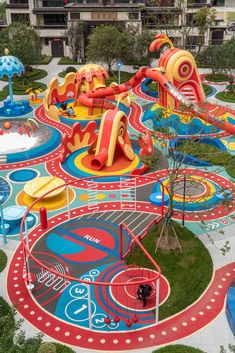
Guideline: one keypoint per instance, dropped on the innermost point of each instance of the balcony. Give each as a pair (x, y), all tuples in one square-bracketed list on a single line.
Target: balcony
[(198, 3), (160, 3), (18, 4)]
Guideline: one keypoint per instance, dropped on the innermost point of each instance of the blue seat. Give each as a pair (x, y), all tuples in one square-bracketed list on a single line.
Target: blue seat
[(156, 199)]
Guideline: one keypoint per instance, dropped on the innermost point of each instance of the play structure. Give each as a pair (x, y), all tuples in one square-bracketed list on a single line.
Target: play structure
[(76, 163), (180, 88)]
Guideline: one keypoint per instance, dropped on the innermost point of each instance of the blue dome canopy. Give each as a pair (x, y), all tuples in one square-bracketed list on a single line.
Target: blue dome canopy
[(10, 65)]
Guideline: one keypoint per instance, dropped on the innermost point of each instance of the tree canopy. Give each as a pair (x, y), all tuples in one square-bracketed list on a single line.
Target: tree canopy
[(22, 41), (108, 44)]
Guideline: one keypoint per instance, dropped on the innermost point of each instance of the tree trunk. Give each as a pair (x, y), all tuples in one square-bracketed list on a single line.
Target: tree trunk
[(169, 212)]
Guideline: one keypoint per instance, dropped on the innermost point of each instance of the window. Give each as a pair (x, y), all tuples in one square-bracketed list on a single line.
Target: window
[(133, 15), (218, 3), (193, 41), (53, 3), (20, 17), (55, 19), (18, 2)]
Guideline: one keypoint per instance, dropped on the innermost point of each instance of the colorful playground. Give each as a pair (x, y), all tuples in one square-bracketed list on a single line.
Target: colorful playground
[(86, 195)]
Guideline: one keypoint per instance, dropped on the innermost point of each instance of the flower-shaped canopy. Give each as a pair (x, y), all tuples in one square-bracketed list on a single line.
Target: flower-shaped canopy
[(10, 65)]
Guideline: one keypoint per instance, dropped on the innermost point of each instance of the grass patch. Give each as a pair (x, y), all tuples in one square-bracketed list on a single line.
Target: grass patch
[(4, 93), (188, 274), (67, 61), (204, 151), (226, 97), (46, 59), (153, 86), (217, 78), (230, 167), (20, 90), (3, 260), (60, 348), (124, 76), (207, 89), (178, 348)]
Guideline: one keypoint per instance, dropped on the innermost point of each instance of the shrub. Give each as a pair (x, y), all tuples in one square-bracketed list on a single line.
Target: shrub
[(217, 78), (47, 348), (230, 167), (60, 348), (70, 69), (178, 348), (3, 260), (28, 68)]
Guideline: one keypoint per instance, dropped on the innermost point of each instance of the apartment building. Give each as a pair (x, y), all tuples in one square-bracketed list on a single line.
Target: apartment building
[(52, 18)]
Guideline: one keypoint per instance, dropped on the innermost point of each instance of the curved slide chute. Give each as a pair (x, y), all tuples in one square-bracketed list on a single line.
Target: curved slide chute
[(92, 98), (200, 111)]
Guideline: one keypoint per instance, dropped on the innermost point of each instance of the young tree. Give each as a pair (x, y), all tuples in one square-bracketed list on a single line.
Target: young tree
[(142, 53), (204, 18), (108, 44), (177, 180), (2, 11), (74, 35), (22, 41)]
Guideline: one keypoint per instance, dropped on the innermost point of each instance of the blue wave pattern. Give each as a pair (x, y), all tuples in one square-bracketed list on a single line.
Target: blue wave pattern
[(10, 65), (196, 126)]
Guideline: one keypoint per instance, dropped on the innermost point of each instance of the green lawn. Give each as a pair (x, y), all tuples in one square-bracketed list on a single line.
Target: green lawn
[(207, 89), (124, 76), (46, 59), (35, 74), (3, 260), (226, 97), (204, 151), (230, 167), (188, 274), (217, 78), (67, 61), (153, 86), (178, 348), (20, 90)]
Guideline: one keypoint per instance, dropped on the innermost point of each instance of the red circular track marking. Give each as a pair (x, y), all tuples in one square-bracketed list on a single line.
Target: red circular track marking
[(54, 168), (120, 293), (192, 319)]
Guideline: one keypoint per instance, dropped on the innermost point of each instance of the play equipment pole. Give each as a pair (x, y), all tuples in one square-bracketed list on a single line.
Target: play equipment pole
[(30, 285), (121, 245), (2, 223), (89, 306), (183, 209), (157, 300), (10, 89)]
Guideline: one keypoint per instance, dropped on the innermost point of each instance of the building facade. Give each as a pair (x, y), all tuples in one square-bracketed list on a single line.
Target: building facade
[(174, 17)]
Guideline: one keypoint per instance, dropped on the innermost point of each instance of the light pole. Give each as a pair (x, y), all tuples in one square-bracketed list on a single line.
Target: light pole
[(119, 65)]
